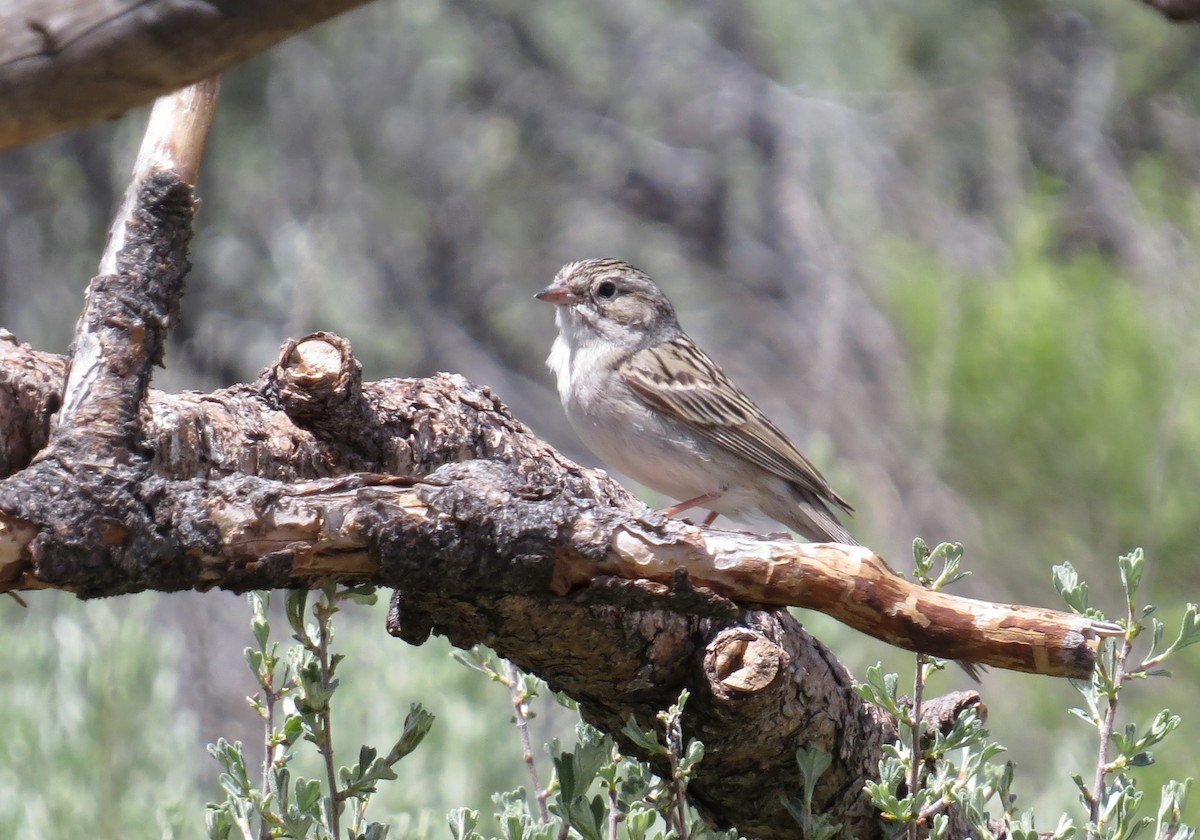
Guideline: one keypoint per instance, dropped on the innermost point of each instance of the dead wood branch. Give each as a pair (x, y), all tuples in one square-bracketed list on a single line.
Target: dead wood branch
[(375, 427), (68, 63)]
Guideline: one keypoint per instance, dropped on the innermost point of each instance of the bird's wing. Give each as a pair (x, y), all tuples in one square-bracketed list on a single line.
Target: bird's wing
[(680, 380)]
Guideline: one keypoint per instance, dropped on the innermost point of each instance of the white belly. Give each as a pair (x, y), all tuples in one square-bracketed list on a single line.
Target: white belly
[(628, 437)]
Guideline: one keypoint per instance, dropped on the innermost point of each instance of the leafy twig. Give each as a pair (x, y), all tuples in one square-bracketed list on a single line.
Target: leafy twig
[(519, 700)]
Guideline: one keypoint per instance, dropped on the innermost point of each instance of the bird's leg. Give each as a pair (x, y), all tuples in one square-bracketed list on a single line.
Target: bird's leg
[(711, 518), (691, 503)]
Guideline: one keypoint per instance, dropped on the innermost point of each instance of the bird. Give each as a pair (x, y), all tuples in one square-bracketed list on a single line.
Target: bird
[(644, 397)]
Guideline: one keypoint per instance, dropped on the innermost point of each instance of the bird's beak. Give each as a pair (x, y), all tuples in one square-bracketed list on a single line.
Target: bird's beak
[(559, 295)]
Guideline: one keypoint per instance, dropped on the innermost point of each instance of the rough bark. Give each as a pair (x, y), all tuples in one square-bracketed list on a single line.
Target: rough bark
[(122, 499), (412, 427), (68, 63)]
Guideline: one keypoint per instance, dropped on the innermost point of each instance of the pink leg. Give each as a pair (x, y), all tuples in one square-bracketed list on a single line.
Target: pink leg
[(689, 504), (711, 518)]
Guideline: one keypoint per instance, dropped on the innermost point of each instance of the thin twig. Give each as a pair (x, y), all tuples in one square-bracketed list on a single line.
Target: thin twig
[(269, 697), (518, 701), (1105, 734), (677, 812), (614, 813), (914, 771), (323, 614)]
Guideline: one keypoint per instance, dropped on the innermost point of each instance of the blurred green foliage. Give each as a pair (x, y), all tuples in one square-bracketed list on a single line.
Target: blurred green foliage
[(96, 739), (1068, 412)]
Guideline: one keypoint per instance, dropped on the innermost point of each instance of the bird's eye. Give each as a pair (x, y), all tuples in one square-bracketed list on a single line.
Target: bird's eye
[(606, 289)]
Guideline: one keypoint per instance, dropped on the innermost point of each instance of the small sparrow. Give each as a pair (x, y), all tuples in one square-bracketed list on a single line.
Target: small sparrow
[(650, 403), (646, 400)]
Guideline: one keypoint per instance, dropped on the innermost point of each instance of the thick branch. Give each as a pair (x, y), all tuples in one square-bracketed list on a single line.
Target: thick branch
[(67, 63), (388, 425), (471, 548)]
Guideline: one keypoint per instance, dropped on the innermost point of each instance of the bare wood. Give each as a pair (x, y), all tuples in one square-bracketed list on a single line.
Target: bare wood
[(174, 142), (855, 586), (68, 63)]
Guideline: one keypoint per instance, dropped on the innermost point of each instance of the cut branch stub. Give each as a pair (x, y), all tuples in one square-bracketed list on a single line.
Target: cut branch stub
[(318, 383), (738, 661)]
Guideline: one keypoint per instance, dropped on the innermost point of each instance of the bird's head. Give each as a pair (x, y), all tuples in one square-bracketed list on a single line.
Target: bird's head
[(612, 300)]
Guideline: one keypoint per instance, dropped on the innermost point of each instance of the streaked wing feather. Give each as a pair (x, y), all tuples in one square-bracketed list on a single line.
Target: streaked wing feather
[(678, 378)]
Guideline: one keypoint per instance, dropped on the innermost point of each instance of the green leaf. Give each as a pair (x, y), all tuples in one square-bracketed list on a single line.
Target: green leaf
[(922, 560), (1157, 628), (1189, 630), (823, 829), (462, 823), (920, 550), (577, 769), (218, 822), (364, 595), (295, 605), (254, 658), (1132, 565), (262, 631), (693, 755), (1072, 590), (813, 762), (374, 831), (366, 756), (1172, 802), (416, 726), (881, 689), (950, 555), (308, 795), (643, 739), (638, 821)]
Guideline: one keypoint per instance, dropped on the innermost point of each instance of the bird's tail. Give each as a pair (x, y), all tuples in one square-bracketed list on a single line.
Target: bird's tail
[(809, 517)]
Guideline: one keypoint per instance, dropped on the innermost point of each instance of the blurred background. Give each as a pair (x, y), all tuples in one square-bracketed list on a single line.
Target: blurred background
[(950, 246)]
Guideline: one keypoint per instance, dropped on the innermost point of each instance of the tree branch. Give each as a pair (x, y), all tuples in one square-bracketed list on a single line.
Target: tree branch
[(68, 63), (850, 583)]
